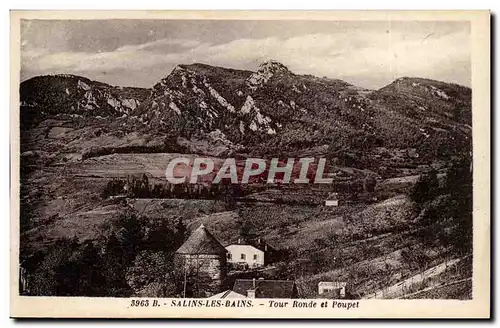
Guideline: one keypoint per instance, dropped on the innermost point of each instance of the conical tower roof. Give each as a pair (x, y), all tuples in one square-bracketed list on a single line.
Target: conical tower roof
[(201, 242)]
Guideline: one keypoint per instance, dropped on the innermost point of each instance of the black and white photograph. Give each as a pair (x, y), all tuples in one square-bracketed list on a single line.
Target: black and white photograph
[(224, 161)]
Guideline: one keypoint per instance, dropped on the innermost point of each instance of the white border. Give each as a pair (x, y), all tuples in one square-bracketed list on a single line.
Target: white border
[(257, 4)]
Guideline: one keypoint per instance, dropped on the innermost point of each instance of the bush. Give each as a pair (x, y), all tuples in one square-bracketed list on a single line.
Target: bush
[(426, 188), (447, 211), (113, 188), (151, 275), (68, 268)]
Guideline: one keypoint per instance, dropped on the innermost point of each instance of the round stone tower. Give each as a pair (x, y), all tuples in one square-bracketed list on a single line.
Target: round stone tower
[(202, 262)]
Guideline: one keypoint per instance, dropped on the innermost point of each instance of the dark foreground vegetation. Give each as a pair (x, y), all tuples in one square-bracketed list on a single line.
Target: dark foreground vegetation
[(138, 256)]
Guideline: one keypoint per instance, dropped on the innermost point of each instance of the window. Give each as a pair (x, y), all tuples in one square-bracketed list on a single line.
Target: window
[(255, 257), (229, 256), (243, 257)]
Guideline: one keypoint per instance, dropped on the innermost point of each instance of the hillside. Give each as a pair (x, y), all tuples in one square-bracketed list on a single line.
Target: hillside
[(46, 96), (289, 112), (269, 112), (81, 138)]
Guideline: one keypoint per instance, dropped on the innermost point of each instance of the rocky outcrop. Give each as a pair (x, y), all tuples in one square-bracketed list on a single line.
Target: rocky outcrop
[(43, 96), (271, 109)]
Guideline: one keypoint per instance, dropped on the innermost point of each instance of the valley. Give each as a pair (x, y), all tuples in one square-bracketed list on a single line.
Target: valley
[(78, 136)]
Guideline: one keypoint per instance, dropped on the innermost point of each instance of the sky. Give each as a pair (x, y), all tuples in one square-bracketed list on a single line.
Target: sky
[(140, 53)]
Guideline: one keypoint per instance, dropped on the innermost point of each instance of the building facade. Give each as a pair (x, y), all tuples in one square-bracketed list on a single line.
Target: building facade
[(332, 202), (335, 289), (202, 262), (332, 199), (245, 254)]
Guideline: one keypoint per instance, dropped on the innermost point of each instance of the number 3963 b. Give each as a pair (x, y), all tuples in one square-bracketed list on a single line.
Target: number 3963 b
[(139, 303)]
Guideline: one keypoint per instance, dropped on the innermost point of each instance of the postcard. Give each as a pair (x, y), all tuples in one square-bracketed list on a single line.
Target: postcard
[(250, 164)]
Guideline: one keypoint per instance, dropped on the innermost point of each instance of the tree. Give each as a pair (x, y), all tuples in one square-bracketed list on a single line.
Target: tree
[(69, 268), (81, 274), (229, 196), (246, 230), (114, 269), (152, 275), (120, 251), (158, 191), (449, 214), (145, 186), (459, 186), (369, 183), (113, 187), (44, 280), (160, 237), (426, 188), (180, 232), (129, 234)]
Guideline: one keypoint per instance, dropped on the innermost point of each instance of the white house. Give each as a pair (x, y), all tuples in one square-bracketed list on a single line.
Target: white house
[(245, 254), (332, 199), (335, 287), (332, 202)]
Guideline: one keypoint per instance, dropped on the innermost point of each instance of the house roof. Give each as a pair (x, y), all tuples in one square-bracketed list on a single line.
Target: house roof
[(245, 245), (266, 288), (201, 241), (333, 196), (258, 243), (228, 294)]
